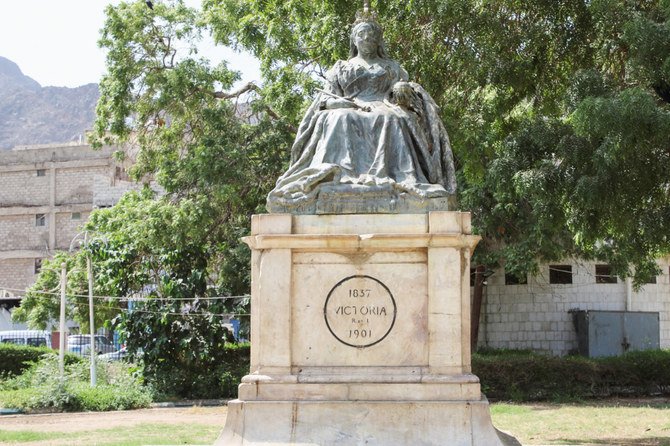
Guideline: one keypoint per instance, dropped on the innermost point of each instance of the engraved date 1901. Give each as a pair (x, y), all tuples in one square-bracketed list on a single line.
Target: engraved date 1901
[(360, 333)]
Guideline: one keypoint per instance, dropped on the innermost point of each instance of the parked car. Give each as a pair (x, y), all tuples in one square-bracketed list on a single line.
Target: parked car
[(115, 356), (121, 355), (81, 344), (35, 338)]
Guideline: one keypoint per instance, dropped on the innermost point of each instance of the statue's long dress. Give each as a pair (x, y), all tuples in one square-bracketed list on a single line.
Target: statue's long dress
[(388, 146)]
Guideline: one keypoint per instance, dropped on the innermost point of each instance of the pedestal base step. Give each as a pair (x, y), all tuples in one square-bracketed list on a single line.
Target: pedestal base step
[(355, 423)]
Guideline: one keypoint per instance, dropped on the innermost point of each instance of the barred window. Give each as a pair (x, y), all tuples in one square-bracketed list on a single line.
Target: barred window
[(604, 274), (560, 274)]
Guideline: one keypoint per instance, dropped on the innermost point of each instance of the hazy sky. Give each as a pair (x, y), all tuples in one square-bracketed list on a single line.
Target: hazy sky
[(55, 41)]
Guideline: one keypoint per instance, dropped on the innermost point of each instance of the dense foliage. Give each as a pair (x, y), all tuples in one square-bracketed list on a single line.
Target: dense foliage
[(525, 376), (42, 302), (41, 388), (16, 359)]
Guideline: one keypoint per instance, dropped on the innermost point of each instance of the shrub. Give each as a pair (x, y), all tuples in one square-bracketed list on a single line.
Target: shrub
[(15, 359), (526, 376), (233, 369), (202, 379), (530, 377), (636, 373), (109, 397), (41, 388)]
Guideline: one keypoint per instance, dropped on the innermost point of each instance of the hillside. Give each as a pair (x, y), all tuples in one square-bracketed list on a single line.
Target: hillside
[(32, 114)]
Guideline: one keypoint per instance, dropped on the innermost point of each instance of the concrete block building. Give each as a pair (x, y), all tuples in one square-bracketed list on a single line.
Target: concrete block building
[(537, 314), (46, 194)]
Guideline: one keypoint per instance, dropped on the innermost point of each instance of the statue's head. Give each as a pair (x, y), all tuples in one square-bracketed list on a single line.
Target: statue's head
[(373, 30)]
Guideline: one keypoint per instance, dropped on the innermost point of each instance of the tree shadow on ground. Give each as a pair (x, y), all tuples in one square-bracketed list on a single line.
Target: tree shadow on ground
[(655, 402)]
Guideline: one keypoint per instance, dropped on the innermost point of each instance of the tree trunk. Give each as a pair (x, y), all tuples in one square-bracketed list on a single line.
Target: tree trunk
[(476, 310)]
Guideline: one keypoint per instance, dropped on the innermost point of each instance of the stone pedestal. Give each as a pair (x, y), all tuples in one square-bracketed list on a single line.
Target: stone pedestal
[(360, 330)]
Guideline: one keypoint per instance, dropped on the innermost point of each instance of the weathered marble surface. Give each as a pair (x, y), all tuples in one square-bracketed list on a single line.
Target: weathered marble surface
[(408, 382), (374, 423)]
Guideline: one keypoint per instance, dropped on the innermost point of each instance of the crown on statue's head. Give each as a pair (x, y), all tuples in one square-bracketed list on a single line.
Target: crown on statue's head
[(366, 15)]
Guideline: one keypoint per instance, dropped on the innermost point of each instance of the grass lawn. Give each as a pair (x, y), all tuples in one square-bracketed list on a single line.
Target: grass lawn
[(614, 422), (618, 422), (142, 434), (192, 426)]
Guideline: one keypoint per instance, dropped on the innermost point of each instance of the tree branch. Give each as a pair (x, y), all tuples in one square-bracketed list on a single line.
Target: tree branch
[(250, 86)]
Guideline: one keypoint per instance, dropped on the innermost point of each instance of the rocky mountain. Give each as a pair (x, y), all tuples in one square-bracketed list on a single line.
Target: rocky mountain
[(32, 114)]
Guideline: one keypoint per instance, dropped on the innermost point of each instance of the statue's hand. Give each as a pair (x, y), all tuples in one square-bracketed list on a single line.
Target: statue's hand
[(403, 94)]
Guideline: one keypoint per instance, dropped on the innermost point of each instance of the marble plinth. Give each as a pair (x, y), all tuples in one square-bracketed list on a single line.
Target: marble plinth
[(355, 198), (360, 329), (337, 423)]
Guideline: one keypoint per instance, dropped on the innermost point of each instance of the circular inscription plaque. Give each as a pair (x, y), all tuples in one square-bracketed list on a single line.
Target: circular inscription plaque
[(360, 311)]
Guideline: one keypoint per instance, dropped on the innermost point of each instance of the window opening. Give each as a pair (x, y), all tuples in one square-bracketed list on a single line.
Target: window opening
[(511, 279), (560, 274), (604, 274)]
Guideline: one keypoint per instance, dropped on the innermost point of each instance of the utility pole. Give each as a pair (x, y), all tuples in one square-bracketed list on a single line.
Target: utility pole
[(61, 346), (89, 273), (89, 268)]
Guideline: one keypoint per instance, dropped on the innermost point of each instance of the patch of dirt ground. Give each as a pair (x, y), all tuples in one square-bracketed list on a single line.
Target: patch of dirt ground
[(88, 421)]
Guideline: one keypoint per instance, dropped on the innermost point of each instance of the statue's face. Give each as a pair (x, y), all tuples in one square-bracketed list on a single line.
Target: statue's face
[(366, 39)]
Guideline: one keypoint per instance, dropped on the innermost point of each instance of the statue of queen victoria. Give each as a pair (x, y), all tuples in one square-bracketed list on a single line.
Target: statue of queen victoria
[(371, 142)]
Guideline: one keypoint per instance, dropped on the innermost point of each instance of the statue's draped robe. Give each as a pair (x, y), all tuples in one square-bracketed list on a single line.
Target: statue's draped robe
[(388, 146)]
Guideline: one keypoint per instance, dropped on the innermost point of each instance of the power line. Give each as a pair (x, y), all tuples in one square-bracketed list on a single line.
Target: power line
[(168, 313), (128, 298), (155, 312)]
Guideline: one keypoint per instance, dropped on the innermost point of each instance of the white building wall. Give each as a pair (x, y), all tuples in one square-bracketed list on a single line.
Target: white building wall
[(536, 315), (6, 321)]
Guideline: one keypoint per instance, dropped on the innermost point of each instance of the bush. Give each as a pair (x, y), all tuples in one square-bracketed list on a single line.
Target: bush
[(526, 376), (636, 373), (233, 369), (109, 397), (41, 388), (15, 359), (202, 379)]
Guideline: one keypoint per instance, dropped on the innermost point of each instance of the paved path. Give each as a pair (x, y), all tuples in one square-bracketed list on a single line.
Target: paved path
[(85, 421)]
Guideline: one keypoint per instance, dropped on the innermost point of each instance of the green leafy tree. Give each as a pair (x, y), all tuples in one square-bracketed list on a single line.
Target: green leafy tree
[(215, 169), (41, 305), (557, 110)]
